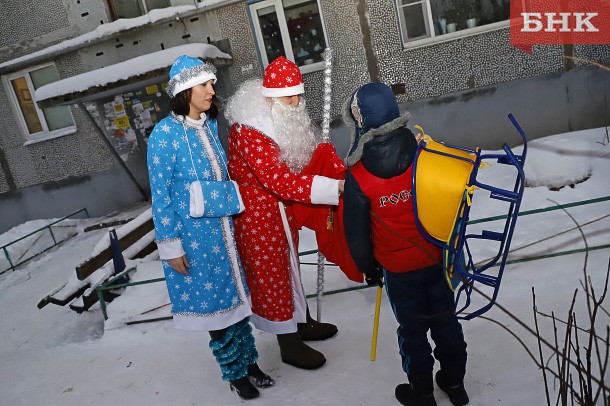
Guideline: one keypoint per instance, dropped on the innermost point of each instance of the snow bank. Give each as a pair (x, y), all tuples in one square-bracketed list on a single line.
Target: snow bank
[(558, 161), (37, 242)]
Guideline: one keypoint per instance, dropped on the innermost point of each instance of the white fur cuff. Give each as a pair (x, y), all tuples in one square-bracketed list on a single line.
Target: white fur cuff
[(170, 249), (242, 207), (324, 190)]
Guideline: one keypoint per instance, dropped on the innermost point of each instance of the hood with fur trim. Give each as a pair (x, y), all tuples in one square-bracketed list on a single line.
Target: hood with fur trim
[(379, 115)]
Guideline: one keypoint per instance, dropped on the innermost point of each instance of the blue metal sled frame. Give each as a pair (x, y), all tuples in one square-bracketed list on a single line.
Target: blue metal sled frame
[(458, 261)]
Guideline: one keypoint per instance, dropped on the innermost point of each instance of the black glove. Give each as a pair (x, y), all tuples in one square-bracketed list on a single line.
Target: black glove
[(374, 277)]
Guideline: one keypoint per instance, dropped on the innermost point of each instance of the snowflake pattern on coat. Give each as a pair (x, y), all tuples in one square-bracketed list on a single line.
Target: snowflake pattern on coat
[(264, 181), (214, 295)]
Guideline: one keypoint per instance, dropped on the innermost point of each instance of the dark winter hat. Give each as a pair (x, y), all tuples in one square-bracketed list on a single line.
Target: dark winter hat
[(187, 72), (371, 111)]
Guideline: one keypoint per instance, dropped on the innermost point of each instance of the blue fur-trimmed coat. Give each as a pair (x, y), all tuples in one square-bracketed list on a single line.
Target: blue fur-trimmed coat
[(214, 295)]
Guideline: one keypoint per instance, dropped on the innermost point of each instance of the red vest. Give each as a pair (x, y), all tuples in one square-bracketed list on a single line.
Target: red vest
[(397, 243)]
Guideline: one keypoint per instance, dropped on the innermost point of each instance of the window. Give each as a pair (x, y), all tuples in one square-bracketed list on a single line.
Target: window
[(38, 123), (430, 18), (134, 8), (292, 28)]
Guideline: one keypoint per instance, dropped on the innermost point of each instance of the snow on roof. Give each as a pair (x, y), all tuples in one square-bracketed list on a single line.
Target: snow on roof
[(106, 31), (125, 70), (103, 31)]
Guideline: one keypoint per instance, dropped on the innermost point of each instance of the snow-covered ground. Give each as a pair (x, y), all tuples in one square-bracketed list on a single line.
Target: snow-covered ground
[(54, 356)]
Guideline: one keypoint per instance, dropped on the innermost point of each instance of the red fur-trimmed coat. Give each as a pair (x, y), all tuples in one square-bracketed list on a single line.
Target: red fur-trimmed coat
[(263, 182)]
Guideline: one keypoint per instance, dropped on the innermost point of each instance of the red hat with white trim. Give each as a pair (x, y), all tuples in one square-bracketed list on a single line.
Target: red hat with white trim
[(282, 78)]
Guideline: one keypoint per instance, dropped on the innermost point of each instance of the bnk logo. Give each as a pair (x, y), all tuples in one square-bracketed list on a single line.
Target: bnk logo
[(562, 22), (537, 22)]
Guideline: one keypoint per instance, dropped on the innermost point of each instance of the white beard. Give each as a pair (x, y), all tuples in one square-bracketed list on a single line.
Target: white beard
[(290, 127), (294, 134)]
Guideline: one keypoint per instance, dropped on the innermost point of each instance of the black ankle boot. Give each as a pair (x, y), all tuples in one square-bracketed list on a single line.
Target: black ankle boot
[(258, 377), (244, 388), (418, 392), (314, 330), (406, 396), (298, 354), (453, 386)]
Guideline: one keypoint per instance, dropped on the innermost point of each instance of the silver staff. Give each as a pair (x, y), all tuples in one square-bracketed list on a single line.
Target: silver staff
[(328, 62)]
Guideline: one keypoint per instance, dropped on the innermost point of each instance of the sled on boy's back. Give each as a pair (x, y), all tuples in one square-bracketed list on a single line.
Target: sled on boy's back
[(452, 173)]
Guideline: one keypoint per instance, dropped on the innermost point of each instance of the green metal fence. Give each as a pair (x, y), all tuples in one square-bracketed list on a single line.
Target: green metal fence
[(108, 285), (11, 261), (545, 209)]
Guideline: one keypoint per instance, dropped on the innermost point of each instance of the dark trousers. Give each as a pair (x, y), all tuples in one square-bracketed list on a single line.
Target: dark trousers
[(422, 302)]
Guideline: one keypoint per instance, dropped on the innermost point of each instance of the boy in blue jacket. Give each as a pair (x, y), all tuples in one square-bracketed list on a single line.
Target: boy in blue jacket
[(386, 244)]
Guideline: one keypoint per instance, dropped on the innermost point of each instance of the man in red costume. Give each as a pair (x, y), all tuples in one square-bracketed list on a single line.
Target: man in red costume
[(271, 141)]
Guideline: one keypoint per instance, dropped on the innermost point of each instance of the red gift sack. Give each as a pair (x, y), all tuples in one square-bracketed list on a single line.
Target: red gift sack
[(325, 220)]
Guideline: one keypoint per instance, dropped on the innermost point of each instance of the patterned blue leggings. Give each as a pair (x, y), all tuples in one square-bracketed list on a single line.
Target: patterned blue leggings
[(235, 350)]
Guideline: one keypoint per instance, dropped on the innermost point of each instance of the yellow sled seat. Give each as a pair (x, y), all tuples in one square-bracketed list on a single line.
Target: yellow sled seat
[(444, 179), (442, 184)]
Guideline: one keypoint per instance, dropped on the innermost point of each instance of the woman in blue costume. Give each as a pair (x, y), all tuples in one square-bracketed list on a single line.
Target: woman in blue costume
[(193, 200)]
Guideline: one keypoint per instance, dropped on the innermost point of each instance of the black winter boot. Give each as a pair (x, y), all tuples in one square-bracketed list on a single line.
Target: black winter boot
[(314, 330), (298, 354), (405, 395), (244, 388), (259, 378), (453, 386), (418, 392)]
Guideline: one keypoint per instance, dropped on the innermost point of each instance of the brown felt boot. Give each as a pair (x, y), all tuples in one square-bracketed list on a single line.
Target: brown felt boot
[(298, 354), (313, 330)]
